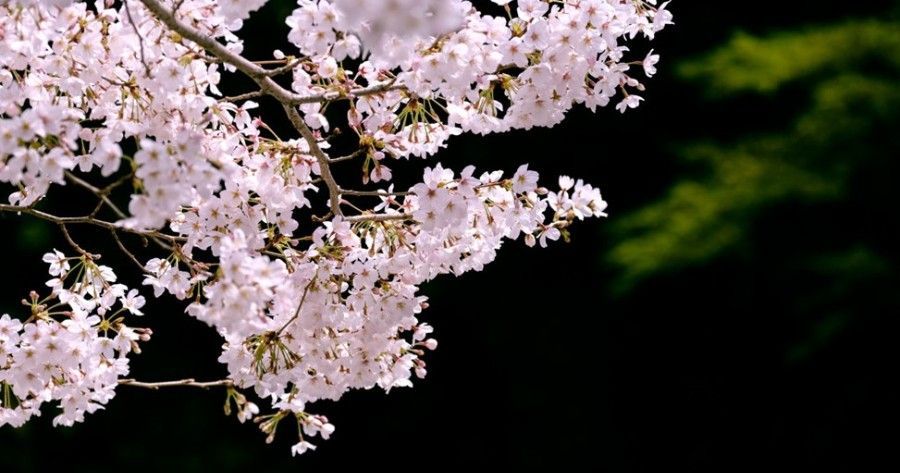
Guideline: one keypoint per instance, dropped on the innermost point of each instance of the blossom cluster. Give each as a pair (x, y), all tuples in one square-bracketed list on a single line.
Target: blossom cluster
[(343, 313), (312, 297), (73, 348), (487, 75)]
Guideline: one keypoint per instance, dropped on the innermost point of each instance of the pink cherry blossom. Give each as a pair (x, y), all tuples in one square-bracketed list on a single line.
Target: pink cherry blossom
[(129, 91)]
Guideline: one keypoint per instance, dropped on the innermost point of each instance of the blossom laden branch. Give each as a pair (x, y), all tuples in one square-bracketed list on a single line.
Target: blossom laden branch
[(334, 190), (263, 78), (140, 37), (222, 194), (259, 74)]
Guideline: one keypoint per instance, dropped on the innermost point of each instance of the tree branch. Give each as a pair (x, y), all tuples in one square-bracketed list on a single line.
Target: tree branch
[(334, 191), (348, 157), (299, 307), (378, 193), (75, 246), (100, 193), (86, 220), (374, 89), (283, 69), (140, 39), (255, 72), (259, 74), (125, 250), (189, 382), (242, 97), (103, 195), (377, 218)]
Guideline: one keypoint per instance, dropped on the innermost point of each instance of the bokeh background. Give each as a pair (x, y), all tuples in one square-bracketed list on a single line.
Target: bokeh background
[(737, 310)]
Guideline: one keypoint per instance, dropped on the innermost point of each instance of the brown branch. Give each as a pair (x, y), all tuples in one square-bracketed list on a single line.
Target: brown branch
[(284, 69), (101, 193), (85, 220), (375, 89), (259, 74), (75, 246), (125, 250), (243, 97), (378, 193), (140, 39), (299, 306), (189, 382), (268, 86), (348, 157), (254, 71), (334, 191), (377, 218)]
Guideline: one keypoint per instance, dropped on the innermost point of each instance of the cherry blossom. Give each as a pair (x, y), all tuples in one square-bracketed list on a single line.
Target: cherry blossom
[(314, 287), (72, 349)]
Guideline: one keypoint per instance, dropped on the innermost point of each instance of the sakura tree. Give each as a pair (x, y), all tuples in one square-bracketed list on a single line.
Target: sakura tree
[(312, 283)]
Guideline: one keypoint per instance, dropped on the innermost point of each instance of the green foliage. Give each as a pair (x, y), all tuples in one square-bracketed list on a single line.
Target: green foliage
[(851, 73), (764, 65), (33, 235)]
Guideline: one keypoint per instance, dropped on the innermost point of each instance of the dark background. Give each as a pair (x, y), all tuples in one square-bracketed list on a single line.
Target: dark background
[(736, 311)]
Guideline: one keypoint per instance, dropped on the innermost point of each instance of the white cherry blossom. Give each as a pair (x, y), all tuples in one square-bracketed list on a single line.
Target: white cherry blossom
[(314, 287)]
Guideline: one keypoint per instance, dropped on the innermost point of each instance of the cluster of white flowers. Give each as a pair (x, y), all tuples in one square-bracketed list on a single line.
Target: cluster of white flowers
[(130, 90), (342, 313), (73, 347), (488, 74), (390, 28)]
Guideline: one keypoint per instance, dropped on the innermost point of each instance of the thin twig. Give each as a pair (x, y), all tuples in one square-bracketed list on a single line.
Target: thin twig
[(189, 382), (85, 220), (334, 191), (300, 306), (118, 182), (348, 157), (243, 97), (122, 247), (140, 39), (377, 218), (374, 89), (284, 69), (101, 193), (259, 74), (75, 246), (378, 193)]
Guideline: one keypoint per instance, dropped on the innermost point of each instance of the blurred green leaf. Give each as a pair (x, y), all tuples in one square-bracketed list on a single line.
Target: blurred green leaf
[(851, 109), (33, 235), (764, 65)]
